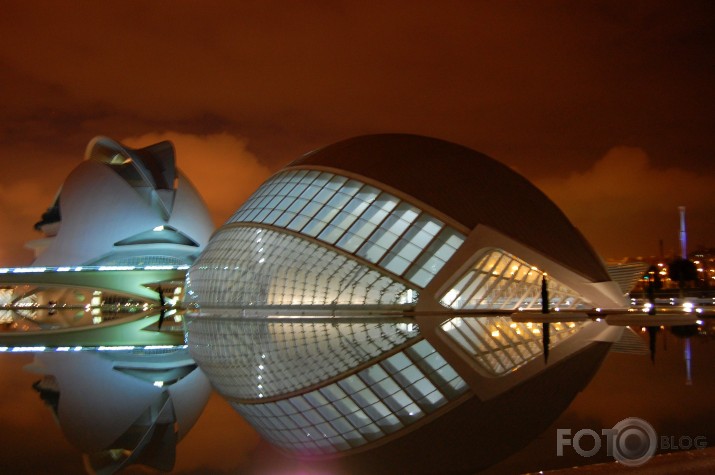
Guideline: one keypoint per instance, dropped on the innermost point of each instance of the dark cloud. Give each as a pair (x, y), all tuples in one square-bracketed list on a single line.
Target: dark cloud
[(547, 88), (624, 195)]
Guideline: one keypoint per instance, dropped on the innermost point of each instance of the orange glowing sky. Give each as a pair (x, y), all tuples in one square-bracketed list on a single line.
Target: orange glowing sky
[(607, 106)]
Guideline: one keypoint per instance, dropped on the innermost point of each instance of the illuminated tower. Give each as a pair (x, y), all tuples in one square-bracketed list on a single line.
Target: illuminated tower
[(683, 236)]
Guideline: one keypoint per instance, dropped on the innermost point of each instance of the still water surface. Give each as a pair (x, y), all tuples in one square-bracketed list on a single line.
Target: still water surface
[(221, 442)]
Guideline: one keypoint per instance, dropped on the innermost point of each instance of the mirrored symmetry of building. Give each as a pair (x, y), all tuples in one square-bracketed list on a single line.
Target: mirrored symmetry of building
[(360, 304), (100, 306)]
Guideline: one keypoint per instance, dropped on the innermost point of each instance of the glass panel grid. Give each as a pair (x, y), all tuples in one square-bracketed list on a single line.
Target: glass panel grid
[(358, 409), (357, 218), (500, 280), (501, 345), (249, 360), (252, 266)]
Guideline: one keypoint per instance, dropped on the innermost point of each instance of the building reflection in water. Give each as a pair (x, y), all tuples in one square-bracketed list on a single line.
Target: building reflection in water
[(123, 407), (345, 311)]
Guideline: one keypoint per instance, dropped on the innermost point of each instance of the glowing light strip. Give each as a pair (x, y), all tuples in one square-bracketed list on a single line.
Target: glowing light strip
[(26, 270), (39, 270), (47, 349)]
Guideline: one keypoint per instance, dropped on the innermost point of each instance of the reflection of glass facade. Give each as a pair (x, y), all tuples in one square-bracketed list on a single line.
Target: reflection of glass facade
[(500, 345), (365, 406), (251, 360)]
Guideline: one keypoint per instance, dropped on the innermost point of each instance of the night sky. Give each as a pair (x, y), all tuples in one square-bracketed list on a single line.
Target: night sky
[(607, 106)]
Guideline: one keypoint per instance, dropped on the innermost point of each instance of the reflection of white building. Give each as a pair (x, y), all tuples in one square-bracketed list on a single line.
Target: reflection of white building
[(123, 407), (338, 306), (118, 241), (122, 206)]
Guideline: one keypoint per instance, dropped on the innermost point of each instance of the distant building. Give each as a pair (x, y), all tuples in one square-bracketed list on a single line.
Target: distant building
[(339, 307)]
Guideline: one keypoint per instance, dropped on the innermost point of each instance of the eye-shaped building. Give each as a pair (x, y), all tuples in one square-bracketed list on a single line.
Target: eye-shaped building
[(359, 304)]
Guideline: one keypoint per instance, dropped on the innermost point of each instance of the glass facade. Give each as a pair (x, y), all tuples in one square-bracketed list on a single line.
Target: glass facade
[(500, 280), (308, 243), (318, 240), (308, 296), (357, 218), (362, 407), (250, 266)]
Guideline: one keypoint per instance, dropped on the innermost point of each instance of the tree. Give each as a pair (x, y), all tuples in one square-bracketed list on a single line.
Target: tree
[(682, 270)]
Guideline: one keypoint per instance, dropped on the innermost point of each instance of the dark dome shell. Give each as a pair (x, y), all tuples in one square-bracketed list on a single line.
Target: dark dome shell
[(467, 186)]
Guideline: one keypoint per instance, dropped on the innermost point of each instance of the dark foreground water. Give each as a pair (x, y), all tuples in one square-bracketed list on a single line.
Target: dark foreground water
[(221, 442)]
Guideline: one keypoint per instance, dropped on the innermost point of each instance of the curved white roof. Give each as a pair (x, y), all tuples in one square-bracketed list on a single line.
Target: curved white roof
[(122, 204), (465, 185)]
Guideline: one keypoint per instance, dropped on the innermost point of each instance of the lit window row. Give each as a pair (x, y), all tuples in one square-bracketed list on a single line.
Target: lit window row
[(501, 281), (252, 360), (501, 345), (245, 266), (57, 307), (360, 408), (357, 218)]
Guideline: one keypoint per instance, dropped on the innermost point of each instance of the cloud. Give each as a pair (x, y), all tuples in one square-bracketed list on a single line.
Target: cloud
[(20, 207), (623, 197), (220, 166)]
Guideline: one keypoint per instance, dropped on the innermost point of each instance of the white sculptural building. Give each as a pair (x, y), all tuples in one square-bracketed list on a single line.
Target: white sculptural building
[(124, 228), (121, 207), (123, 219), (361, 304)]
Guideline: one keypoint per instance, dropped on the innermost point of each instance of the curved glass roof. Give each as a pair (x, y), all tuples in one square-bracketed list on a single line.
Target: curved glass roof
[(465, 185), (374, 226)]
